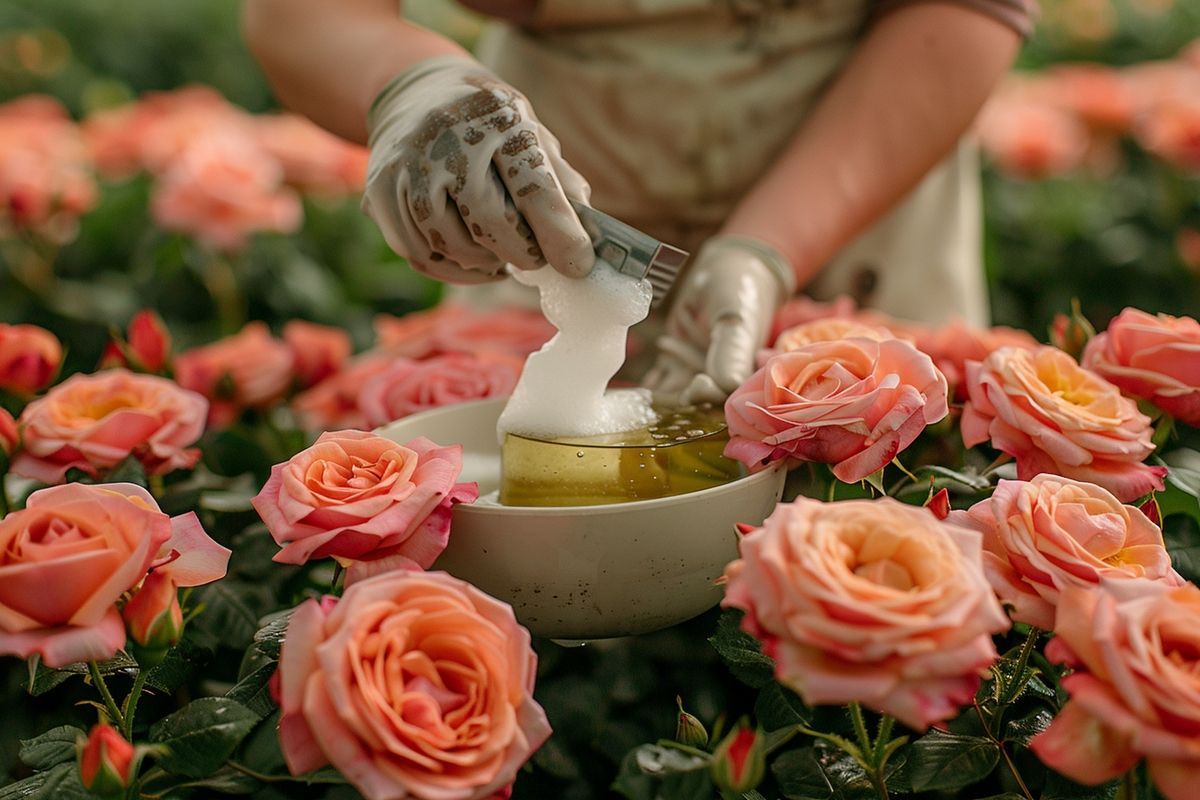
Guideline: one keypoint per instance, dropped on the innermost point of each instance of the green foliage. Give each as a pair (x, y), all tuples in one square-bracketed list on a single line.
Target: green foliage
[(200, 736), (55, 746), (741, 652)]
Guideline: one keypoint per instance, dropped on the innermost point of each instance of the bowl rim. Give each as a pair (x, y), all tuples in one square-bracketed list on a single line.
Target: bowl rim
[(771, 472)]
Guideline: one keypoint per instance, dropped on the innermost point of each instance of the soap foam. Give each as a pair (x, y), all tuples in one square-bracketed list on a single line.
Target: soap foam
[(561, 391)]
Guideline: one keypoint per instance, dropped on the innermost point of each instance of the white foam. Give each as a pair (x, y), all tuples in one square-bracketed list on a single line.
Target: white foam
[(561, 391)]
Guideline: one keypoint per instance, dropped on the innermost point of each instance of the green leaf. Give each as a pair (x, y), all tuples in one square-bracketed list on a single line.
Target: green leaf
[(55, 746), (60, 782), (226, 780), (779, 707), (966, 479), (253, 691), (652, 772), (202, 735), (1020, 731), (226, 614), (741, 652), (950, 761), (821, 774), (128, 471), (42, 678), (181, 662), (1059, 788)]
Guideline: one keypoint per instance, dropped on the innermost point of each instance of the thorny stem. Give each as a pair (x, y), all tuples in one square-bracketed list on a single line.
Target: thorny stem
[(109, 702), (871, 751), (1012, 768)]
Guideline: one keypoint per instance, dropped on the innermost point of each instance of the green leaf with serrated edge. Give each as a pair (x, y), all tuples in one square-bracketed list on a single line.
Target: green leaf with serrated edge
[(226, 780), (180, 664), (201, 735), (253, 691), (268, 640), (60, 782), (226, 614), (779, 707), (1059, 788), (741, 652), (55, 746), (950, 761), (800, 775), (42, 678), (1020, 731)]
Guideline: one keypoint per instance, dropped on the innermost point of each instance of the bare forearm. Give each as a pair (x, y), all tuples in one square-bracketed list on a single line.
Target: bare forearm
[(897, 108), (328, 59)]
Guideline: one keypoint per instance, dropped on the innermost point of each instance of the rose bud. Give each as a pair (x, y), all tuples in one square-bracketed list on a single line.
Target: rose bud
[(1071, 333), (10, 437), (106, 762), (939, 503), (153, 617), (149, 341), (740, 760), (688, 729)]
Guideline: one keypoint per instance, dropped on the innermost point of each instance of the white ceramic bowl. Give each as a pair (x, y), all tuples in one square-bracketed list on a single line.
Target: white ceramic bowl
[(588, 572)]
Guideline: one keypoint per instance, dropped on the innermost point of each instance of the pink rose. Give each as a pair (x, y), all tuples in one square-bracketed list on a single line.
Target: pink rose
[(1155, 357), (854, 403), (1097, 94), (223, 188), (1172, 132), (318, 350), (333, 403), (411, 386), (1044, 535), (952, 345), (822, 330), (801, 309), (313, 160), (93, 422), (444, 669), (415, 335), (69, 555), (1031, 138), (516, 331), (355, 495), (10, 437), (871, 601), (250, 369), (1051, 415), (29, 358), (1135, 690)]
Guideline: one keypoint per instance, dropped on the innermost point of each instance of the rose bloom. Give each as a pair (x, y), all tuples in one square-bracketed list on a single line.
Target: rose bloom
[(318, 351), (872, 601), (1097, 94), (408, 387), (1172, 132), (69, 555), (250, 369), (952, 345), (94, 422), (801, 309), (826, 330), (149, 341), (333, 403), (313, 160), (1052, 415), (10, 437), (516, 331), (852, 403), (412, 685), (29, 358), (46, 182), (223, 188), (1152, 356), (1134, 647), (1044, 535), (354, 495), (415, 334), (1032, 139)]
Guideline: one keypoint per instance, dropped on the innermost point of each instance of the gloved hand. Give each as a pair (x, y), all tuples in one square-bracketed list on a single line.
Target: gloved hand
[(462, 177), (719, 319)]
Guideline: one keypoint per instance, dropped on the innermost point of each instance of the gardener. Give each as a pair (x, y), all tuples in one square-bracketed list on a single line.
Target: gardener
[(787, 143)]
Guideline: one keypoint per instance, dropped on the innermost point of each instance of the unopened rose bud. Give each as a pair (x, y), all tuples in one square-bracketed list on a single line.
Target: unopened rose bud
[(688, 729), (106, 762), (153, 616), (149, 341), (939, 503), (1150, 509), (113, 357), (1070, 333), (740, 760)]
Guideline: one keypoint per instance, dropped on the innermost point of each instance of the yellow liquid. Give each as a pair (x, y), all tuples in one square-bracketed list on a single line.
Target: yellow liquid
[(679, 453)]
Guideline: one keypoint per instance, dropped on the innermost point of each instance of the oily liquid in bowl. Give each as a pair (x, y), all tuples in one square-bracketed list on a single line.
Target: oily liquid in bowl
[(681, 452)]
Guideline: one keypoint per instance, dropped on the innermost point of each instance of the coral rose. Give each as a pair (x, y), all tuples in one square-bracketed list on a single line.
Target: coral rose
[(415, 335), (411, 386), (69, 555), (93, 422), (10, 437), (952, 345), (853, 403), (413, 685), (318, 350), (1152, 356), (801, 309), (1135, 690), (871, 601), (250, 369), (1032, 139), (313, 160), (29, 358), (355, 495), (516, 331), (149, 341), (1051, 415), (333, 403), (1048, 533)]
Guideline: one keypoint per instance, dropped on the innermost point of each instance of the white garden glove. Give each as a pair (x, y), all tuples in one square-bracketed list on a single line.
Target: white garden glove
[(462, 177), (719, 319)]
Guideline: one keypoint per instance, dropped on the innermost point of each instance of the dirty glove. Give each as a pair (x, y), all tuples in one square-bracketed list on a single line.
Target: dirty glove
[(719, 319), (462, 177)]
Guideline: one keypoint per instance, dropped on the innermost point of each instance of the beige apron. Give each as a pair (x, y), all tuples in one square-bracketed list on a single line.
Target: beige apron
[(672, 109)]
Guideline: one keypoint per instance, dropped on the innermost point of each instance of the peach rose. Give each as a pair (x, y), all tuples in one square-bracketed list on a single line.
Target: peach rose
[(801, 309), (853, 403), (318, 351), (69, 555), (872, 601), (1051, 415), (223, 188), (1049, 533), (408, 387), (29, 358), (313, 160), (954, 344), (516, 331), (250, 369), (355, 495), (1097, 94), (412, 685), (826, 330), (93, 422), (1152, 356), (1172, 132), (333, 403), (1134, 647), (1032, 139), (415, 335)]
